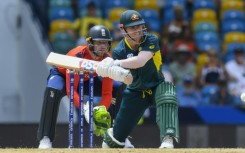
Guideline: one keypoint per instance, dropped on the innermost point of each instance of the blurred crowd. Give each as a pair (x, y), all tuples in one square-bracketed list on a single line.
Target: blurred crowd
[(202, 41)]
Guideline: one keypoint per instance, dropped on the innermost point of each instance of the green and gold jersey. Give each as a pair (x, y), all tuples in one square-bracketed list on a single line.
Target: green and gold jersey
[(150, 74)]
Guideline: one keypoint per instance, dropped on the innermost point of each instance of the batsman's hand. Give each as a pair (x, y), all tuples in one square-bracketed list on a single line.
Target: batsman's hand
[(102, 119), (111, 68), (103, 66), (120, 74)]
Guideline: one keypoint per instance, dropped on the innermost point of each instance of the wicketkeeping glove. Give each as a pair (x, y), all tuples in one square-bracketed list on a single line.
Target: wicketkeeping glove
[(102, 119)]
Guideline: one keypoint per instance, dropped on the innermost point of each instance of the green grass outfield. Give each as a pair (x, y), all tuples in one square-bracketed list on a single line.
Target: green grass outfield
[(194, 150)]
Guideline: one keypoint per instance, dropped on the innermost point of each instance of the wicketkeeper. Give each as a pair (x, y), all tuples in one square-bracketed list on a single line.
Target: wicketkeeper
[(58, 85)]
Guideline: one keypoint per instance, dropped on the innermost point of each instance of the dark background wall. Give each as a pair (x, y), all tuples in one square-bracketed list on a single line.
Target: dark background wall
[(144, 136)]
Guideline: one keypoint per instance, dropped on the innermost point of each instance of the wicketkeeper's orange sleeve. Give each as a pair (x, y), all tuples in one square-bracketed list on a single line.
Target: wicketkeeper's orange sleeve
[(107, 87)]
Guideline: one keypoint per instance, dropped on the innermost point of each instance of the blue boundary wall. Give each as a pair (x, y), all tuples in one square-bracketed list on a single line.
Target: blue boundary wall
[(221, 115)]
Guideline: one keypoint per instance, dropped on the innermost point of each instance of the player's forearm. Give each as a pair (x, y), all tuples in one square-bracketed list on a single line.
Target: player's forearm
[(106, 97), (136, 61), (132, 63), (106, 100)]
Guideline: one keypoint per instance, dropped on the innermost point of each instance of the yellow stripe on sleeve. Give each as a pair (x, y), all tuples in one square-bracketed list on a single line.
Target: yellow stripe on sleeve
[(157, 59)]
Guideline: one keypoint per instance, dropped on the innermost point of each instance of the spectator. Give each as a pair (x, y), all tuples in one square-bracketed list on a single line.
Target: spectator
[(212, 71), (181, 67), (186, 38), (236, 74), (222, 96), (174, 28), (188, 95), (171, 31), (82, 24)]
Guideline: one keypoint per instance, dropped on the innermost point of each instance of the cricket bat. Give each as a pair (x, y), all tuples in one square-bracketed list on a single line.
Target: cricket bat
[(71, 62), (76, 63)]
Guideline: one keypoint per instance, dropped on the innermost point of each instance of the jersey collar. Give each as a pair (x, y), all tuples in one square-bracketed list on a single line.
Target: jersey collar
[(127, 43)]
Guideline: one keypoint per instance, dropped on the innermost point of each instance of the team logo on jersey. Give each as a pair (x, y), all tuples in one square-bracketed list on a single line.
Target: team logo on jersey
[(134, 17), (103, 32), (152, 46), (130, 55)]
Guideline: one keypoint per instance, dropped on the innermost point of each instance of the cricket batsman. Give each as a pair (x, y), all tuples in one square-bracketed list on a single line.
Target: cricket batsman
[(139, 52)]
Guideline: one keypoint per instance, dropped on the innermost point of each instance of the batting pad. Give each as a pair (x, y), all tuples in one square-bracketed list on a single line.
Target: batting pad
[(49, 114), (167, 110)]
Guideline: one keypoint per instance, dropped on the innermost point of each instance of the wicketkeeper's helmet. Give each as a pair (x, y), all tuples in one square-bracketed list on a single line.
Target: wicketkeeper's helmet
[(98, 33)]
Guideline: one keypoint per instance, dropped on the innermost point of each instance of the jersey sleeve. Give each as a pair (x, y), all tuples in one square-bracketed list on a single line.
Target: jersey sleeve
[(62, 70), (151, 44), (115, 55), (106, 98)]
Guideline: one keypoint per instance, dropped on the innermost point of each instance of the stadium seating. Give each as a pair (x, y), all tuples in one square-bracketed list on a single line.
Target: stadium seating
[(232, 37), (201, 4), (201, 59), (229, 55), (233, 15), (146, 4), (83, 3), (206, 40), (59, 26), (206, 36), (84, 12), (232, 26), (116, 3), (204, 15), (114, 8), (205, 46), (167, 12), (168, 15), (205, 27), (59, 3), (61, 13), (231, 5), (172, 3), (63, 42), (114, 14), (151, 18)]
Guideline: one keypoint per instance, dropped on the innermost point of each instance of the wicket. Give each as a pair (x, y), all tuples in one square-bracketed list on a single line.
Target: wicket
[(81, 115)]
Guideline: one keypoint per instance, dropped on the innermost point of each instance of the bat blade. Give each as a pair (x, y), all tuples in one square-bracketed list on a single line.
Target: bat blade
[(70, 62), (76, 63)]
